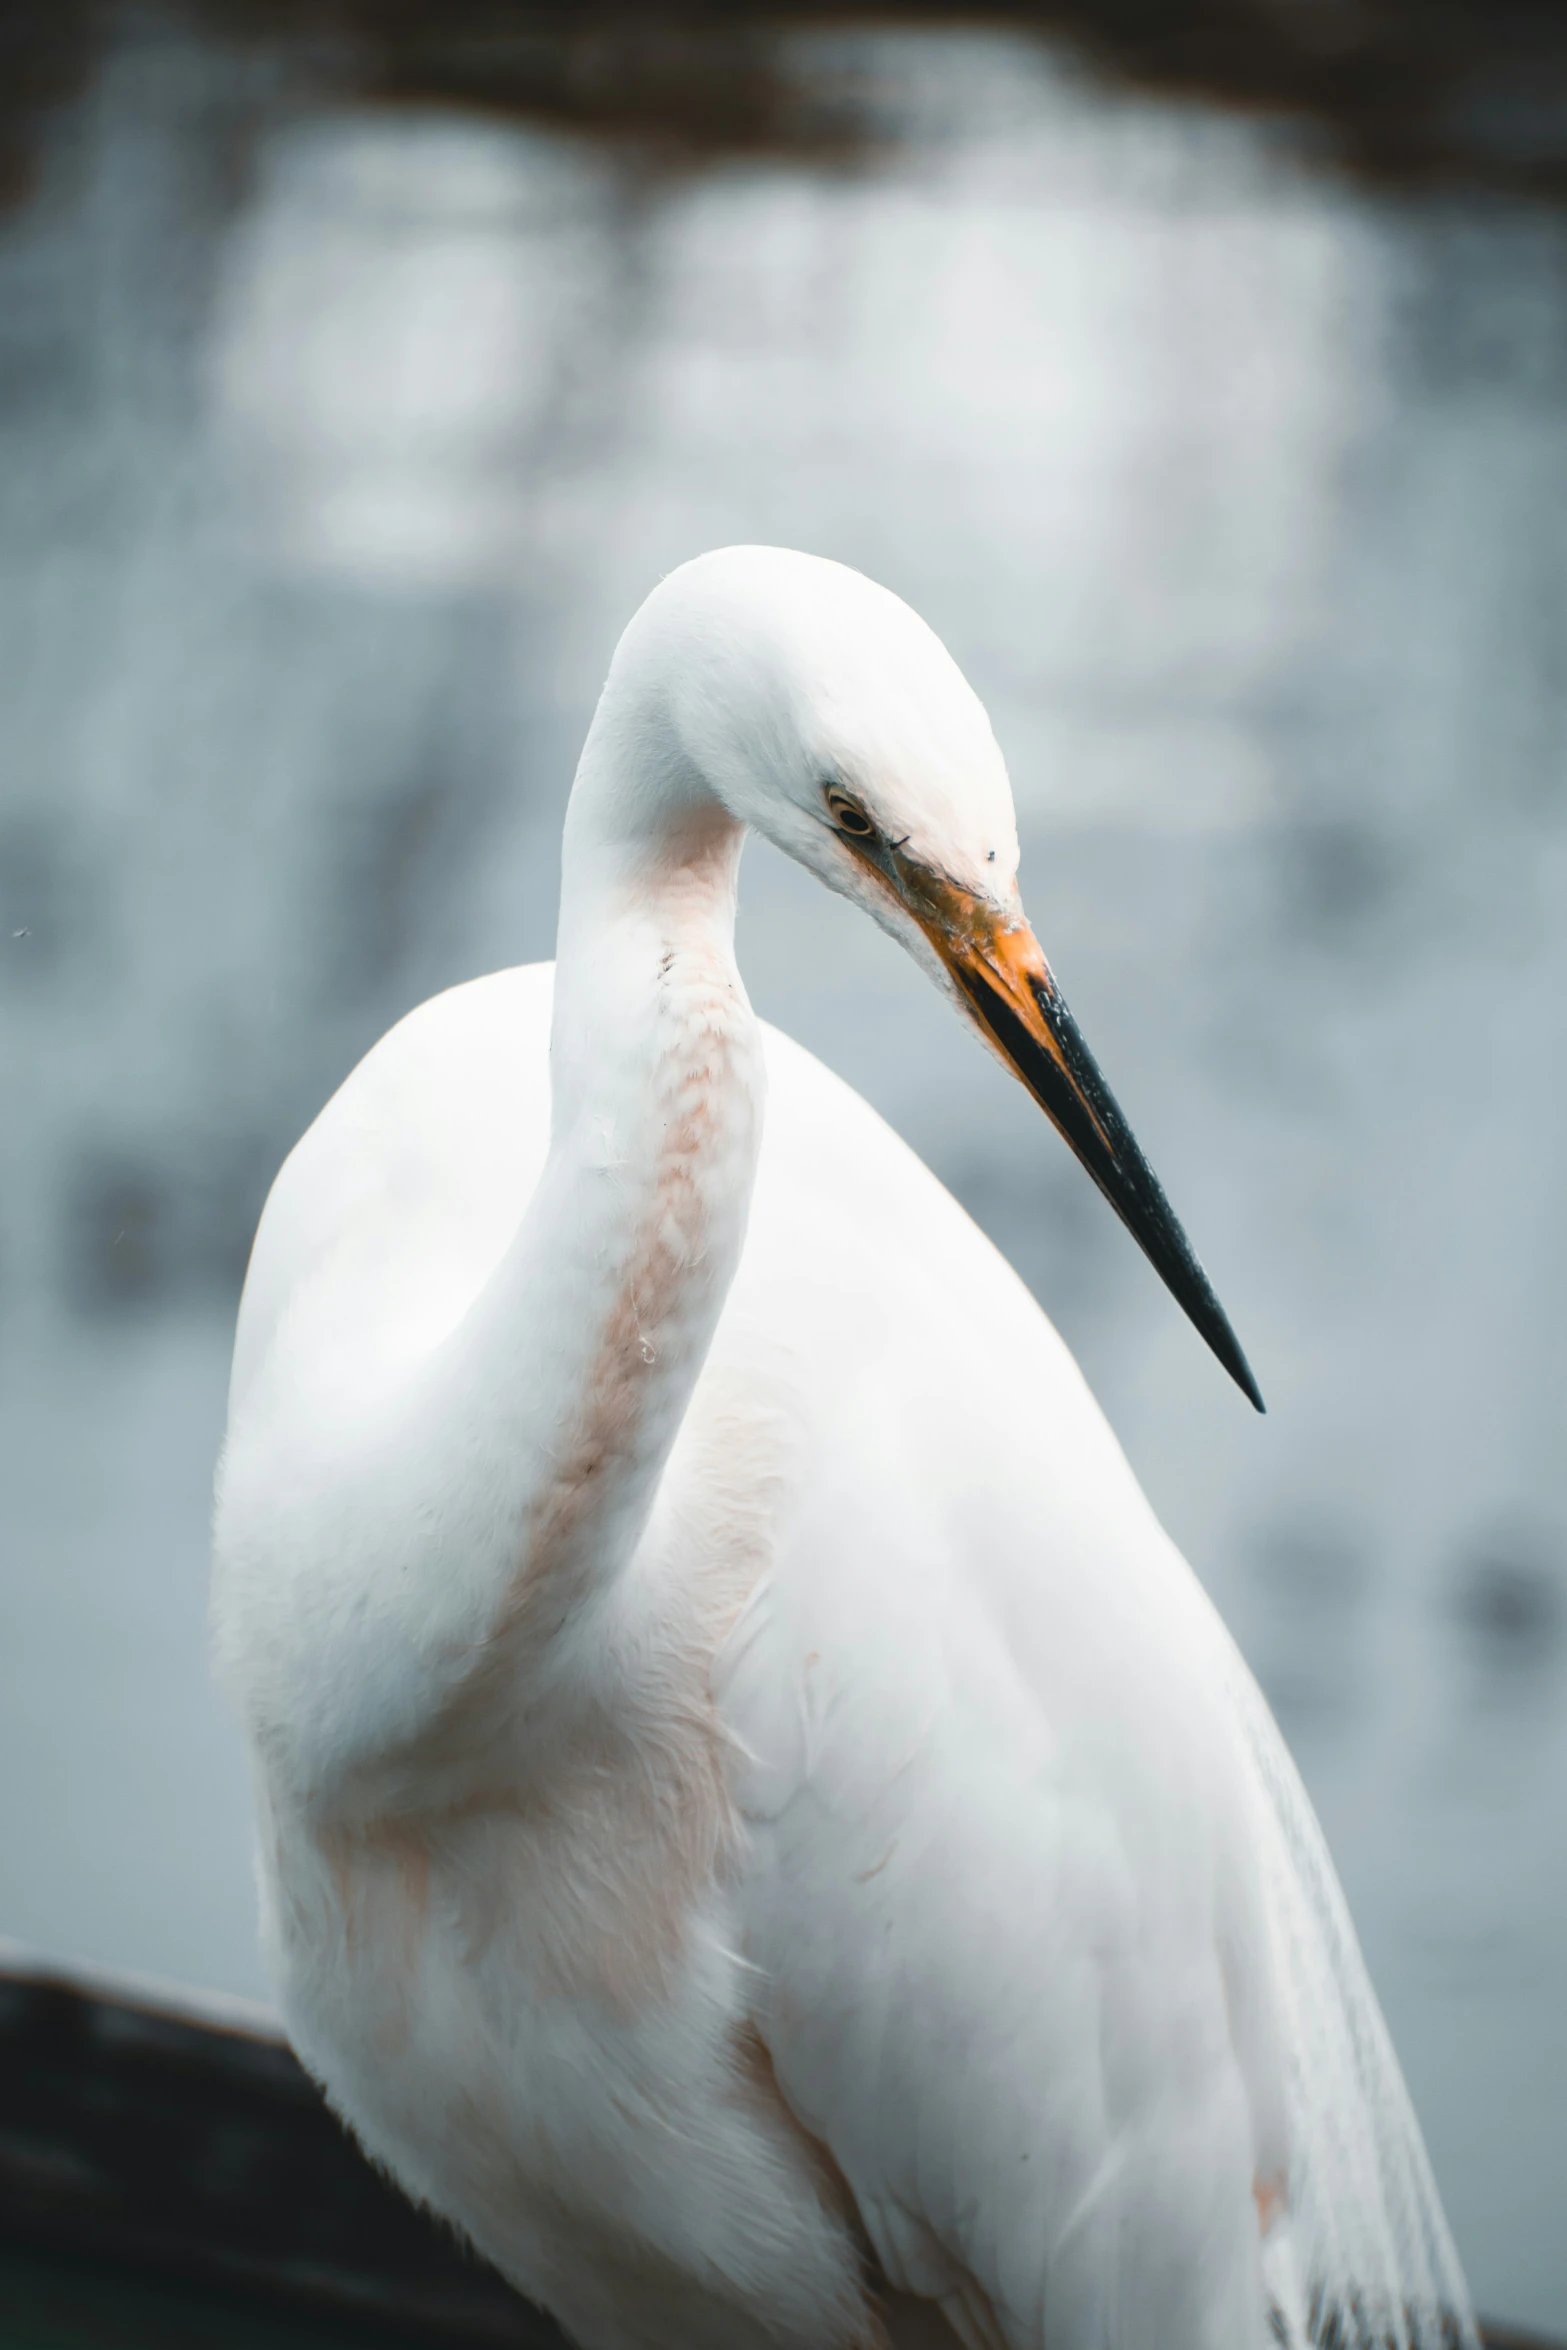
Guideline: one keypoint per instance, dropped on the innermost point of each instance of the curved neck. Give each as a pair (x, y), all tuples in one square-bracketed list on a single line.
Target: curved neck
[(599, 1319), (408, 1610)]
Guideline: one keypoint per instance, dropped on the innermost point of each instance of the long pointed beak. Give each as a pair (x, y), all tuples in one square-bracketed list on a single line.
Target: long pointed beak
[(1001, 973)]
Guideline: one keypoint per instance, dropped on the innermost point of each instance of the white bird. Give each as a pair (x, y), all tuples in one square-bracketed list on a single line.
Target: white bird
[(759, 1826)]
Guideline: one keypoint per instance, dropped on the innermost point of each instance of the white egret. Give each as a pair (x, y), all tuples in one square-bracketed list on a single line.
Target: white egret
[(759, 1825)]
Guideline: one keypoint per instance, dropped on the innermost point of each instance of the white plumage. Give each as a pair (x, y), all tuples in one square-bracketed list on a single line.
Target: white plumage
[(759, 1826)]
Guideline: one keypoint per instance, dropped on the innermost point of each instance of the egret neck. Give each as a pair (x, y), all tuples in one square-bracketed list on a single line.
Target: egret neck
[(603, 1311), (494, 1491)]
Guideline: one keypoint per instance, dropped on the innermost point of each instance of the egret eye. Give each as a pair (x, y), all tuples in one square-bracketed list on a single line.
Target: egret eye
[(848, 815)]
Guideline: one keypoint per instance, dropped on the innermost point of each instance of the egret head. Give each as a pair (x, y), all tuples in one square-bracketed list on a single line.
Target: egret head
[(822, 711)]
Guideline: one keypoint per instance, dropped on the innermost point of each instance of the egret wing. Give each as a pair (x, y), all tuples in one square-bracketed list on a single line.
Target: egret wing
[(1051, 1958)]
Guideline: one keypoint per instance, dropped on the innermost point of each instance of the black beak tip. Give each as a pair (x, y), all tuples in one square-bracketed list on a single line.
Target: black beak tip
[(1069, 1088), (1226, 1347)]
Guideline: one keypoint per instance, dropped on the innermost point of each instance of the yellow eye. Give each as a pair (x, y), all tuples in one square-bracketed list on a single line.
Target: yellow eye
[(848, 815)]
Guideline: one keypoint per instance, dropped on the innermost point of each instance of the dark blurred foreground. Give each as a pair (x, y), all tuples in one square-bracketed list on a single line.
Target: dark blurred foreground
[(173, 2178), (168, 2180)]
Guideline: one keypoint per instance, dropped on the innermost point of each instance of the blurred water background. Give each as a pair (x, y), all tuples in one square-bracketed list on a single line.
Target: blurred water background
[(351, 397)]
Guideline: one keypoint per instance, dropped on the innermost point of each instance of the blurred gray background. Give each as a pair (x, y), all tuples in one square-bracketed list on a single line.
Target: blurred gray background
[(358, 378)]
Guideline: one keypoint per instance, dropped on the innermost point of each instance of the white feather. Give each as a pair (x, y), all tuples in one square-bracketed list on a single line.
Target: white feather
[(756, 1815)]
